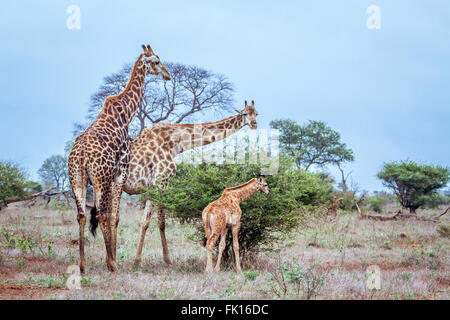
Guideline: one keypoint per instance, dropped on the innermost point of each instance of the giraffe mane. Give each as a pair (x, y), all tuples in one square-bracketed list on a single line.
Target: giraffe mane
[(133, 72), (187, 125), (241, 186)]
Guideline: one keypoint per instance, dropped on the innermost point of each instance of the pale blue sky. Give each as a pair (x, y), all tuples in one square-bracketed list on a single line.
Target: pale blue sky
[(386, 91)]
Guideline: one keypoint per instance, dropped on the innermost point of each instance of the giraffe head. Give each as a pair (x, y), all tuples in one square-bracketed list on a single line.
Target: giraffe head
[(262, 185), (249, 113), (152, 63)]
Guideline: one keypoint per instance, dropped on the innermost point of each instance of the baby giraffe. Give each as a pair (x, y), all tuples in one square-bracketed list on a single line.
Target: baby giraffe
[(225, 213)]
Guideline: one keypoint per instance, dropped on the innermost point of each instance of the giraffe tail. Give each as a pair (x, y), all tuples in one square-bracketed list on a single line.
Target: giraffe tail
[(93, 221), (206, 227)]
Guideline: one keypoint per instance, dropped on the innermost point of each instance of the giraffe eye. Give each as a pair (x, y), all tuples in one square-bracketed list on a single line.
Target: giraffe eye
[(157, 62)]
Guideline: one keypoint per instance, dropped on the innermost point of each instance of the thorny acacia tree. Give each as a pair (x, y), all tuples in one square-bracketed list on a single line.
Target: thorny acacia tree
[(415, 185), (191, 90)]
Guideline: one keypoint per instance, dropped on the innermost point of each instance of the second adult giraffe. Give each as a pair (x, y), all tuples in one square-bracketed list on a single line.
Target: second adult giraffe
[(100, 156), (152, 159)]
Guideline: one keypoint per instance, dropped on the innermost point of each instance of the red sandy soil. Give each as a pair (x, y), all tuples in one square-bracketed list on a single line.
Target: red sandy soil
[(24, 292)]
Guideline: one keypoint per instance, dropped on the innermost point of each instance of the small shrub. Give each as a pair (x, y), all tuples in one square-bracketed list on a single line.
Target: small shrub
[(443, 229), (27, 242), (52, 282), (251, 275), (430, 259), (406, 276), (86, 281), (410, 295), (21, 262), (376, 203), (290, 276), (387, 245)]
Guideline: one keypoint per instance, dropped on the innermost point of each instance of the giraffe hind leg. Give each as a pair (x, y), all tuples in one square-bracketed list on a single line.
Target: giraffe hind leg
[(162, 233), (78, 181), (144, 226), (102, 192)]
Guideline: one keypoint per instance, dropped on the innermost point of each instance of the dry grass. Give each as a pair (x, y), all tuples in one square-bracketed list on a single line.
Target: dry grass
[(327, 259)]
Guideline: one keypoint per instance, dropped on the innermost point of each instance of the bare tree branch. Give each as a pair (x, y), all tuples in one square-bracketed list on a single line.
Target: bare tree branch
[(191, 90)]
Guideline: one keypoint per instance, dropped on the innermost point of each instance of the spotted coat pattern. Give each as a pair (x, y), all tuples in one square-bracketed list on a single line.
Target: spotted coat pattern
[(100, 155), (152, 159), (225, 213)]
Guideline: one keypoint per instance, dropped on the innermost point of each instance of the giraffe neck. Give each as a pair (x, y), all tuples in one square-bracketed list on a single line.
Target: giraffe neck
[(123, 107), (245, 191), (197, 135)]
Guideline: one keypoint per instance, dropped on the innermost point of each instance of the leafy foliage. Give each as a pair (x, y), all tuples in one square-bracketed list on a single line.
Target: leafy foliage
[(305, 282), (12, 181), (376, 203), (54, 172), (265, 218), (312, 144), (414, 185)]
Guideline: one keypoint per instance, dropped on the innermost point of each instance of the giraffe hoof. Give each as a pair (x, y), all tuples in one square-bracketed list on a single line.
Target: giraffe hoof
[(137, 263), (112, 267)]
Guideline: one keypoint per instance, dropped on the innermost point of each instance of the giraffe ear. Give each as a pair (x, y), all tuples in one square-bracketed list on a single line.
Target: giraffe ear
[(238, 111), (260, 180)]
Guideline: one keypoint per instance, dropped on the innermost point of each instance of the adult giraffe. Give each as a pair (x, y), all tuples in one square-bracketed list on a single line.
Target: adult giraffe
[(100, 156), (152, 159)]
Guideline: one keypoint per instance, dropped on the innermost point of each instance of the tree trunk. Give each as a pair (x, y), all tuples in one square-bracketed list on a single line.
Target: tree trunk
[(45, 194), (412, 209)]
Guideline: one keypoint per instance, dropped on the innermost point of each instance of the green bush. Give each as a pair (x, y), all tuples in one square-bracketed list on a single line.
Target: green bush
[(295, 193), (348, 200), (376, 203), (436, 200), (12, 182), (250, 274)]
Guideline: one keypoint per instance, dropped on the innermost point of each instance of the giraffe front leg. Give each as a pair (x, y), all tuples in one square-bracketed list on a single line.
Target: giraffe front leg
[(144, 226), (162, 233), (104, 221), (114, 224)]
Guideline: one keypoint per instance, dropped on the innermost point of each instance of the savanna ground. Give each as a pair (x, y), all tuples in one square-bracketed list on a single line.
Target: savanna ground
[(324, 259)]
